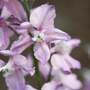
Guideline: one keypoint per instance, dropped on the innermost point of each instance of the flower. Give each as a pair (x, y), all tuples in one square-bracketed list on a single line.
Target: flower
[(5, 32), (15, 70), (12, 14), (15, 8), (42, 32), (48, 43), (61, 58), (62, 81)]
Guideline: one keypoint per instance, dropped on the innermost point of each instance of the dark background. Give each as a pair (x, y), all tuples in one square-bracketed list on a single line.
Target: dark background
[(73, 18)]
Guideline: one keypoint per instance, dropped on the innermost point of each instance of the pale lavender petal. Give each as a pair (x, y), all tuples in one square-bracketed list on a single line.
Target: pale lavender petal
[(49, 86), (16, 9), (45, 70), (25, 25), (7, 53), (30, 66), (75, 64), (24, 63), (56, 34), (64, 47), (15, 81), (4, 38), (58, 62), (73, 43), (41, 52), (21, 44), (5, 13), (29, 87), (74, 83), (18, 46), (19, 60), (24, 28), (45, 19)]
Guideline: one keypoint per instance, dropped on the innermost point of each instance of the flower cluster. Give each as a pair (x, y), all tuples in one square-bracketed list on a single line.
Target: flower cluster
[(48, 46)]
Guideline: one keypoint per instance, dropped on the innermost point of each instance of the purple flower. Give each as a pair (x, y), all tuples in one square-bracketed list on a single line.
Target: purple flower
[(86, 77), (15, 70), (61, 58), (42, 33), (5, 32), (12, 14), (48, 42), (63, 81), (45, 70), (15, 8)]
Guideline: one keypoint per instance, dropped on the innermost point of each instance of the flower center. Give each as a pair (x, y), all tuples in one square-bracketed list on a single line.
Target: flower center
[(38, 37)]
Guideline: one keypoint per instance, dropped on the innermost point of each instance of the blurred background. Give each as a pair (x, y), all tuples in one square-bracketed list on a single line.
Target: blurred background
[(73, 18)]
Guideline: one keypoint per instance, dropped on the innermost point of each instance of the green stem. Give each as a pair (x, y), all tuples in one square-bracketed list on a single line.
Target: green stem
[(38, 77), (28, 4)]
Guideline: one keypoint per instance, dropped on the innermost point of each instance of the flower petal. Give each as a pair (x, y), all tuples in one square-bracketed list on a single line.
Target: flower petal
[(18, 46), (49, 86), (4, 38), (45, 70), (15, 81), (16, 9), (21, 44), (45, 19), (58, 62), (24, 64), (73, 43), (5, 13), (29, 87), (74, 83), (41, 52), (56, 34), (75, 64)]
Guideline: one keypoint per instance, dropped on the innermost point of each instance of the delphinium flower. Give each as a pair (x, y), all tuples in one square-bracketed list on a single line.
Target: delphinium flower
[(51, 48)]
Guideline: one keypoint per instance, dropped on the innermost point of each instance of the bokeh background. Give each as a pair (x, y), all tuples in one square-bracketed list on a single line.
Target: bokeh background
[(73, 18)]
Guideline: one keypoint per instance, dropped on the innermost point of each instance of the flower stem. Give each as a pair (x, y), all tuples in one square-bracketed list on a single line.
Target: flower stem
[(38, 75)]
